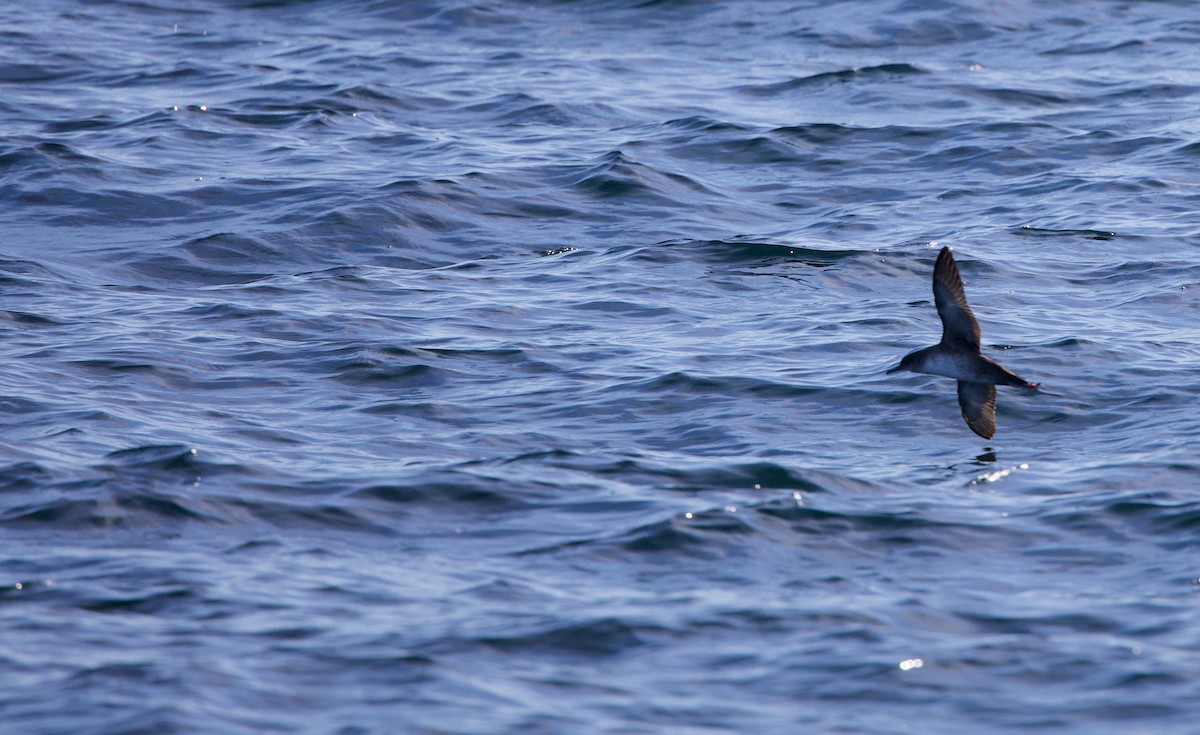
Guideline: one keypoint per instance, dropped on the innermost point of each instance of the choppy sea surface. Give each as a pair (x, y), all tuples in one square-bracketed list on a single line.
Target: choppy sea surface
[(518, 367)]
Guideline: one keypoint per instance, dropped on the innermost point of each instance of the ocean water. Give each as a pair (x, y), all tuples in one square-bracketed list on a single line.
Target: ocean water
[(518, 367)]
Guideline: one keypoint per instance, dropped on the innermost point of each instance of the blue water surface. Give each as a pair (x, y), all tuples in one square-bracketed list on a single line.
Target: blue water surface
[(518, 367)]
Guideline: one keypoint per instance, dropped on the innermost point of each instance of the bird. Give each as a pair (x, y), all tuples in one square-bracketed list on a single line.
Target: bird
[(958, 355)]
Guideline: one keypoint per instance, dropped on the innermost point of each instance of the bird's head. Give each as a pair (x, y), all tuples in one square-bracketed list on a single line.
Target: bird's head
[(906, 363)]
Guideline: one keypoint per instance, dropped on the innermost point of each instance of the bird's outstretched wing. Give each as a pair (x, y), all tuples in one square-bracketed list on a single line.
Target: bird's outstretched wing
[(978, 403), (958, 322)]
